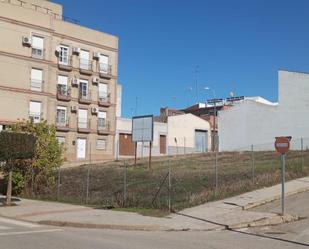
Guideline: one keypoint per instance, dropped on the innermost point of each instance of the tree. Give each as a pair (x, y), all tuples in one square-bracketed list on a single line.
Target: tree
[(15, 146), (47, 154)]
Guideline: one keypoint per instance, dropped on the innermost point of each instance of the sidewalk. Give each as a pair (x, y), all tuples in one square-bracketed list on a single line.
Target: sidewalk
[(229, 213)]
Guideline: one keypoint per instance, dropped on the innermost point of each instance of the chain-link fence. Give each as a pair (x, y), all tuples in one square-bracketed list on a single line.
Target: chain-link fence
[(178, 182)]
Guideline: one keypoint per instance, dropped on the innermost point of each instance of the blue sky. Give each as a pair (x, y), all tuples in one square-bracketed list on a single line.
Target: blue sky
[(238, 45)]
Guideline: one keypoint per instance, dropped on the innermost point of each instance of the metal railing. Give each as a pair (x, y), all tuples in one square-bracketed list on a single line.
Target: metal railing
[(83, 123), (35, 116), (104, 68), (37, 53), (85, 64), (36, 85), (62, 121), (84, 95), (65, 61), (104, 97), (63, 90)]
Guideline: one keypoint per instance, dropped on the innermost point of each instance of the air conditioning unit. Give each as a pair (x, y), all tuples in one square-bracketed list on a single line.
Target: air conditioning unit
[(95, 80), (94, 110), (58, 49), (96, 55), (76, 50), (74, 108), (74, 82), (26, 41)]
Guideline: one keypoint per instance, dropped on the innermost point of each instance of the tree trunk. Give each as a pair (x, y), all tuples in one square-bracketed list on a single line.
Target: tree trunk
[(9, 190)]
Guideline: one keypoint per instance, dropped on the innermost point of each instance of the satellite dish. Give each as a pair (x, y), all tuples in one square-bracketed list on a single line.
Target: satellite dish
[(232, 94)]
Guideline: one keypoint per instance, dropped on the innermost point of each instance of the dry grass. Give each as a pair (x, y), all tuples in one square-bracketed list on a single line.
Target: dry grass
[(193, 179)]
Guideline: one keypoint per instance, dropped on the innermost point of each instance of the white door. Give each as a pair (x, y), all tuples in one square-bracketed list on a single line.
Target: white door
[(35, 111), (81, 148), (36, 79), (84, 60), (103, 63), (82, 118)]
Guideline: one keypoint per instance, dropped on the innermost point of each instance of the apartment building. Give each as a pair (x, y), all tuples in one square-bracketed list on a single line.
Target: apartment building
[(59, 71)]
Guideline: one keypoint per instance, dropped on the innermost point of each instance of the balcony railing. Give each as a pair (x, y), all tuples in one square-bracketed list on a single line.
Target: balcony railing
[(105, 70), (85, 66), (63, 93), (83, 125), (36, 85), (104, 99), (37, 53), (103, 126), (65, 63), (84, 97), (35, 117), (62, 123)]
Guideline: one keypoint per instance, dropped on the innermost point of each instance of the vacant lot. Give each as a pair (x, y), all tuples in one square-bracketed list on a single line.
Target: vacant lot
[(193, 179)]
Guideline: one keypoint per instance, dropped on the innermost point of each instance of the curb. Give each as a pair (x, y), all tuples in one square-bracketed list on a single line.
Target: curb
[(275, 198), (273, 221)]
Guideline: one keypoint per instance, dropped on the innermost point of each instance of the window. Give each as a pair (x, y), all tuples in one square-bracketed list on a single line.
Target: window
[(84, 62), (101, 144), (83, 89), (103, 63), (62, 84), (64, 55), (36, 79), (37, 47), (102, 120), (61, 140), (1, 128), (35, 111), (82, 118), (103, 92), (61, 115)]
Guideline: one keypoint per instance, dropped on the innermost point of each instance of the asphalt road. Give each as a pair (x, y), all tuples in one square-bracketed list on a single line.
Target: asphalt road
[(17, 235)]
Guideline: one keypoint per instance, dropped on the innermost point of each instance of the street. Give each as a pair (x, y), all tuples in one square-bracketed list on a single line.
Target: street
[(16, 235)]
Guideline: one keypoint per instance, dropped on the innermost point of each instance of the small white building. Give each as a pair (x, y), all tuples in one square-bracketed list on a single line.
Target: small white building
[(182, 134), (257, 121)]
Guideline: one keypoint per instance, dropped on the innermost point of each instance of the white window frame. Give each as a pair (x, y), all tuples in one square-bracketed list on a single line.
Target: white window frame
[(60, 139), (62, 85), (37, 50), (84, 63), (62, 120), (82, 121), (84, 92), (36, 83), (35, 114), (64, 54), (102, 122), (102, 146), (103, 95)]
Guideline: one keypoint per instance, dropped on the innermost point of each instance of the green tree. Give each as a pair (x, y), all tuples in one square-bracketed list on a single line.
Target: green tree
[(14, 147), (47, 154)]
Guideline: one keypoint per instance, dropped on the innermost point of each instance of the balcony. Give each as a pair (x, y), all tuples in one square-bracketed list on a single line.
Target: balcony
[(103, 127), (104, 99), (38, 53), (62, 124), (65, 63), (35, 117), (83, 125), (36, 85), (85, 67), (63, 93), (84, 97), (105, 70)]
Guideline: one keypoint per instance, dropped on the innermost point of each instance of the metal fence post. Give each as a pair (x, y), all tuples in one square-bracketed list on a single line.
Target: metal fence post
[(252, 163), (216, 171), (302, 153), (58, 183), (282, 157), (169, 186), (87, 185), (125, 184)]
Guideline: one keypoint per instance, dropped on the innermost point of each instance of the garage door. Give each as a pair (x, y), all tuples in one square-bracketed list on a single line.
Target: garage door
[(126, 146)]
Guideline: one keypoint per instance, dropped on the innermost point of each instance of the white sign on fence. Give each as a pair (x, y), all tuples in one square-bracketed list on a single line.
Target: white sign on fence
[(142, 128)]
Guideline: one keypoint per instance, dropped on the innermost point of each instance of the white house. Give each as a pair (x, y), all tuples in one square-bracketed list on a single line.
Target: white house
[(257, 121), (182, 134)]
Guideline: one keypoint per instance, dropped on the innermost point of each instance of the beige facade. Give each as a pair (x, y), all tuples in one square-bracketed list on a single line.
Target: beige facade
[(52, 69)]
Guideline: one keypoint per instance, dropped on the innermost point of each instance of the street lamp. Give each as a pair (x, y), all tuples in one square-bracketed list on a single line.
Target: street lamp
[(214, 137)]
